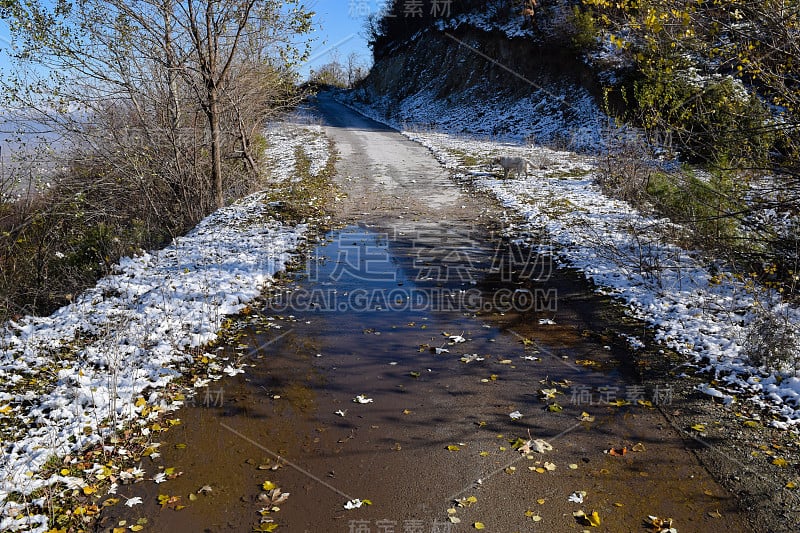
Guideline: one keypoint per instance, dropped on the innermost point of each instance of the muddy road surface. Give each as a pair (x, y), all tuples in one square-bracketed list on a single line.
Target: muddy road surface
[(407, 367)]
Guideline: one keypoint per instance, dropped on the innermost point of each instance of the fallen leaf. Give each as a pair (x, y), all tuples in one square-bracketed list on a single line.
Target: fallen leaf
[(661, 524), (577, 496), (268, 485), (715, 514), (699, 427), (587, 520), (619, 402), (638, 447), (516, 415), (549, 466), (362, 399), (453, 447), (617, 452), (780, 461), (466, 501), (479, 525), (541, 501), (554, 408), (353, 504), (549, 394), (573, 466), (586, 417), (454, 520)]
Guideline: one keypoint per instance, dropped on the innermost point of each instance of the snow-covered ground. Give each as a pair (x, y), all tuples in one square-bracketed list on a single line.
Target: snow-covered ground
[(106, 358), (626, 254)]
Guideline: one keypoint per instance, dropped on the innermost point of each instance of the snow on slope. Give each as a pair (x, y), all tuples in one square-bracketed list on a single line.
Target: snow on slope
[(127, 337), (626, 254)]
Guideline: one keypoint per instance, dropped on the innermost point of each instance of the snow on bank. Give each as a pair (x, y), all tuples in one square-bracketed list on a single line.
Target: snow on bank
[(629, 256), (66, 376), (561, 116), (304, 132)]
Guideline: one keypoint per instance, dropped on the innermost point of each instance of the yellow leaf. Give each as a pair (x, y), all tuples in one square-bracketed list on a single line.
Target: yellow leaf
[(699, 427), (118, 530), (479, 525), (483, 454), (64, 472), (541, 501), (110, 501), (645, 403), (406, 411), (136, 527), (140, 402), (269, 485), (594, 519), (266, 528), (87, 490), (750, 423), (555, 408), (791, 485), (5, 409), (573, 466), (619, 402), (780, 461), (453, 448), (169, 471)]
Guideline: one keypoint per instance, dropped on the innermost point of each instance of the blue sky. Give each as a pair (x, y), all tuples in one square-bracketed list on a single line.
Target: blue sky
[(340, 30)]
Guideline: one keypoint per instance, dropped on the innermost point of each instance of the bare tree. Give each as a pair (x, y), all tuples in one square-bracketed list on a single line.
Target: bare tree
[(165, 71)]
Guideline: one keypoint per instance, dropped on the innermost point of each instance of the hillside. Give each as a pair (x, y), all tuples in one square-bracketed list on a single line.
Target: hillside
[(487, 69)]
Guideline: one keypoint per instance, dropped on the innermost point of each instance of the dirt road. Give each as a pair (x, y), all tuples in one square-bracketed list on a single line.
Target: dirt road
[(462, 344)]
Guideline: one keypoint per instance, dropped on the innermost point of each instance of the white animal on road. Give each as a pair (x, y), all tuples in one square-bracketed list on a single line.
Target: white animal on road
[(517, 164)]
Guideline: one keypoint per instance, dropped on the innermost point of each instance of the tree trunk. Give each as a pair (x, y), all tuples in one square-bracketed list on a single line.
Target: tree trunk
[(216, 150)]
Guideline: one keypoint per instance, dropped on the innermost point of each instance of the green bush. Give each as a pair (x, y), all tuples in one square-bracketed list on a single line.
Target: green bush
[(583, 30), (715, 121), (701, 204)]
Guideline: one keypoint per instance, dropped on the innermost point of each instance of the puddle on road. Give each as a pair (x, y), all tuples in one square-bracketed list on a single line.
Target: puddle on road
[(366, 318)]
